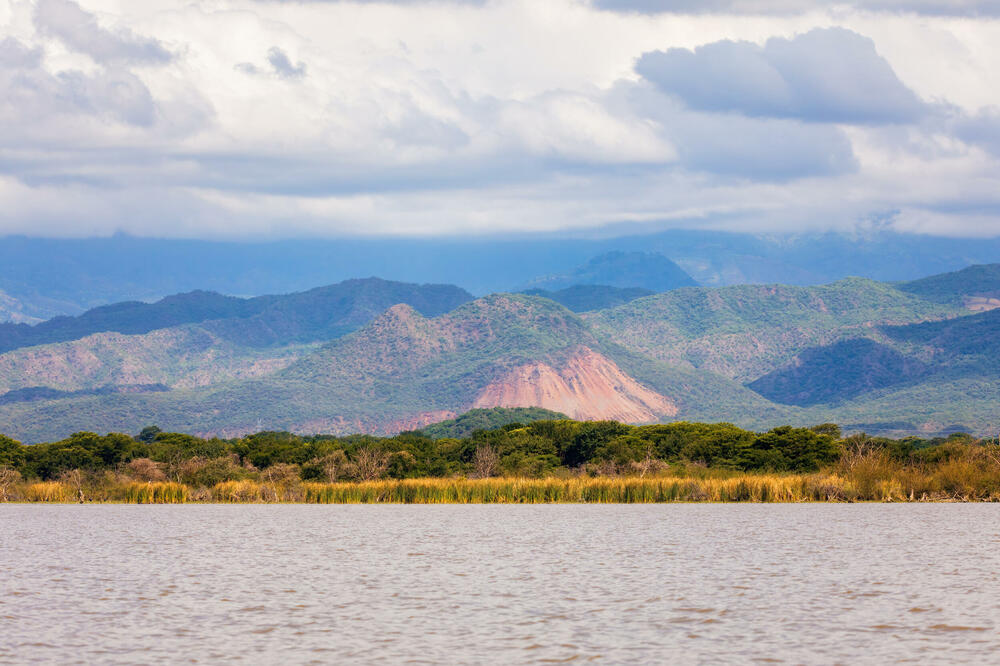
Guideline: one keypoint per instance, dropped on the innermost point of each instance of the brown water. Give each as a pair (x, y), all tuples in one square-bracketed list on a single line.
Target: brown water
[(865, 583)]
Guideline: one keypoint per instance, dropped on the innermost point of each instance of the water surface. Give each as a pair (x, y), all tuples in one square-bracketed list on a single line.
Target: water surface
[(818, 583)]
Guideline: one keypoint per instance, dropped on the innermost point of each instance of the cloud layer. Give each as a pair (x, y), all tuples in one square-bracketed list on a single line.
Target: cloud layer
[(824, 75), (248, 117)]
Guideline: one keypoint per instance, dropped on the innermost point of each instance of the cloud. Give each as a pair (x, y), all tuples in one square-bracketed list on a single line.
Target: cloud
[(79, 31), (15, 55), (980, 129), (448, 117), (281, 66), (927, 7), (759, 149), (31, 98), (825, 75)]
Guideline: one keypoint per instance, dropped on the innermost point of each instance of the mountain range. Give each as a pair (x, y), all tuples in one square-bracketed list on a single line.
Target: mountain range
[(380, 356), (42, 278)]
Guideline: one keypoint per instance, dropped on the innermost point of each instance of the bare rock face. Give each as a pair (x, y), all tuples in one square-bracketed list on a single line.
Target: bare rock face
[(588, 386)]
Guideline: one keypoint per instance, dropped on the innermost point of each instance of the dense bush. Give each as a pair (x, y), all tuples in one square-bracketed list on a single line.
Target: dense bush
[(539, 449)]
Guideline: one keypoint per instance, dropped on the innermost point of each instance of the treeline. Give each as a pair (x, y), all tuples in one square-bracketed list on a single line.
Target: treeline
[(543, 449)]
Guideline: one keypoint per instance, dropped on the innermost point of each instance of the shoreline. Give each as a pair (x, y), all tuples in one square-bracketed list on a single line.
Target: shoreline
[(739, 488)]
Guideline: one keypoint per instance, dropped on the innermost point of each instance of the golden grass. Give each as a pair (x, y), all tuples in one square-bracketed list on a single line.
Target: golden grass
[(48, 491), (238, 491), (625, 490), (156, 493), (863, 480)]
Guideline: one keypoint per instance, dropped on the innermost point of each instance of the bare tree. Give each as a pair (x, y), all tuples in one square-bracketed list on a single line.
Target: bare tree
[(8, 477), (371, 463), (74, 478), (144, 469), (335, 465), (649, 463), (486, 461)]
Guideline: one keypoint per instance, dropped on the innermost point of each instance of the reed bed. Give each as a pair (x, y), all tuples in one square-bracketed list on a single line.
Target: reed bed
[(156, 493), (238, 491), (623, 490), (949, 481), (48, 491)]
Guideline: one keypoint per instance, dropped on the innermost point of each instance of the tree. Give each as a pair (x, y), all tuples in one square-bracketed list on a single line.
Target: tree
[(486, 461), (371, 463), (12, 453), (148, 434)]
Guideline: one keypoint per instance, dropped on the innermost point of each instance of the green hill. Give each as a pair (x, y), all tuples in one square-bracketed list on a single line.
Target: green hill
[(745, 332), (318, 314), (587, 297), (838, 372), (960, 287), (404, 371), (863, 353), (488, 419), (930, 360)]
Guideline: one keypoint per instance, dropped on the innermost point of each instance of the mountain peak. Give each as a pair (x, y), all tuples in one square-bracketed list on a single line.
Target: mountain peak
[(647, 270)]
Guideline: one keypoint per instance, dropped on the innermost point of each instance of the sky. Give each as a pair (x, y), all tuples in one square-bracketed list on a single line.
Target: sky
[(276, 119)]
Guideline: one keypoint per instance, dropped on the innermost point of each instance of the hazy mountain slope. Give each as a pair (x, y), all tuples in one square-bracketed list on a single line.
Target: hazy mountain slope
[(67, 276), (645, 270), (975, 287), (178, 357), (744, 332), (16, 311), (317, 314), (325, 313), (587, 297)]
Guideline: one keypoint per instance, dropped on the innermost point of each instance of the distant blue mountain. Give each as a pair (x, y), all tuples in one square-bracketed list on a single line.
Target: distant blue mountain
[(67, 276), (624, 270)]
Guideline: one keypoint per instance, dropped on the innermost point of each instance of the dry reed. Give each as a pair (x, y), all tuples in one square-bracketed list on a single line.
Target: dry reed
[(868, 476), (156, 493)]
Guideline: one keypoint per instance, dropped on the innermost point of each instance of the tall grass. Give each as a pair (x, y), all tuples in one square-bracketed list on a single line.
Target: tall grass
[(961, 473), (156, 493), (744, 488), (47, 491), (238, 491)]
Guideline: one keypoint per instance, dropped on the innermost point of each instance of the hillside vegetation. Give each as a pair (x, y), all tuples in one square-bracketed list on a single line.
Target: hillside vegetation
[(957, 288), (488, 419), (318, 314), (862, 353), (924, 358), (584, 298)]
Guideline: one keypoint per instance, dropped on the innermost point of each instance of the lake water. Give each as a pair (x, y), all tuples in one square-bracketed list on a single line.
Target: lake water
[(864, 583)]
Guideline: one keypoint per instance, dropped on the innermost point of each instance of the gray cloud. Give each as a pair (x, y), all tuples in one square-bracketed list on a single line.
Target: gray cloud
[(825, 75), (760, 149), (281, 66), (30, 94), (79, 30), (44, 105), (981, 129), (14, 54), (778, 7)]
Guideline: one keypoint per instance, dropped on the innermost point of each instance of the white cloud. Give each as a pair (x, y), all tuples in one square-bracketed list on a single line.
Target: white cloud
[(80, 31), (824, 75), (281, 118)]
